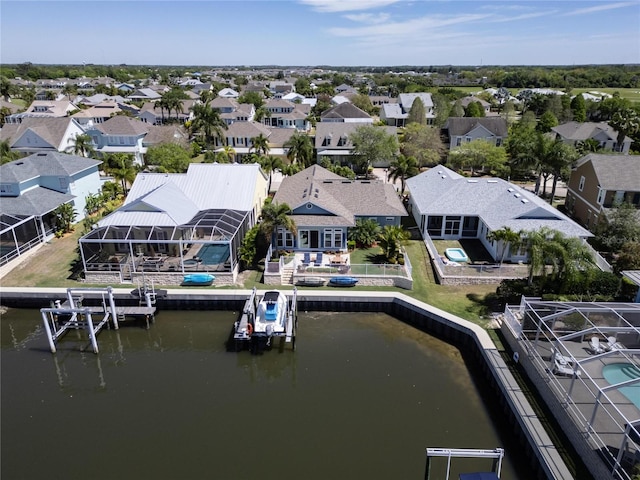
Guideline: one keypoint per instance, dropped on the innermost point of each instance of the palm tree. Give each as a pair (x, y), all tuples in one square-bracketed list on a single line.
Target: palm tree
[(625, 122), (402, 168), (260, 144), (207, 122), (299, 149), (366, 232), (230, 153), (274, 216), (392, 238), (269, 164), (83, 146), (506, 238), (120, 165)]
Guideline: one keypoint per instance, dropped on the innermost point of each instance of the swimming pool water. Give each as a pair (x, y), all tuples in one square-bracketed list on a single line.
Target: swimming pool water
[(213, 254), (456, 255), (621, 372)]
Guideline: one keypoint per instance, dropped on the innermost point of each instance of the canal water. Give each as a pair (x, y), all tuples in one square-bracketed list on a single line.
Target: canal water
[(362, 397)]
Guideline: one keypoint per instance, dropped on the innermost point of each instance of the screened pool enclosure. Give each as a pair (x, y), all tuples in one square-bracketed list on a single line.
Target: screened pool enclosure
[(207, 243)]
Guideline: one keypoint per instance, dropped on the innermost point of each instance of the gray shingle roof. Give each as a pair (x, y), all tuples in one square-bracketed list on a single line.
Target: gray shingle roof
[(344, 199), (579, 131), (121, 125), (37, 201), (335, 130), (345, 110), (51, 130), (440, 191), (615, 172), (53, 164), (458, 126)]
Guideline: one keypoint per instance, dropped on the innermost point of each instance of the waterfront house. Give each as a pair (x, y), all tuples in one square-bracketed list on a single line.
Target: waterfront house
[(32, 188), (175, 223), (448, 206), (598, 182), (325, 206)]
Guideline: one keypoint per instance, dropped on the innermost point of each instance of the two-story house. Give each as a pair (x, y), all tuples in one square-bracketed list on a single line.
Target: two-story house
[(333, 141), (461, 130), (573, 133), (32, 188), (33, 135), (599, 182), (286, 114), (231, 111), (396, 114), (345, 113), (43, 109)]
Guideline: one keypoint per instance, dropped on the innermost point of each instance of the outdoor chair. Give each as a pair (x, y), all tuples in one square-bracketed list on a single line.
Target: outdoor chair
[(319, 258), (594, 346), (306, 259)]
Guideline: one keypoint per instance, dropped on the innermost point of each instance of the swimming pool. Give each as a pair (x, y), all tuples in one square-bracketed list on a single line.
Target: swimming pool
[(456, 255), (621, 372), (214, 253)]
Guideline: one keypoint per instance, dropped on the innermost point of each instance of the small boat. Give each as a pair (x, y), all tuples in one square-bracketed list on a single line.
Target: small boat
[(343, 281), (312, 281), (198, 279), (271, 315)]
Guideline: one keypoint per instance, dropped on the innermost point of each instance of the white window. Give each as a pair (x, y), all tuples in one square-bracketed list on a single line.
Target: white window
[(284, 238), (601, 194), (332, 238), (581, 186)]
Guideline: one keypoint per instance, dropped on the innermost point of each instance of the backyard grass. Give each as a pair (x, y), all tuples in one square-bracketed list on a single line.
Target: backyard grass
[(633, 94), (55, 264)]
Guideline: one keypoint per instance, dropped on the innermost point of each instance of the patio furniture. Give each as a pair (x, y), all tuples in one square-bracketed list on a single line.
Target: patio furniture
[(306, 259), (318, 260), (595, 347), (613, 344)]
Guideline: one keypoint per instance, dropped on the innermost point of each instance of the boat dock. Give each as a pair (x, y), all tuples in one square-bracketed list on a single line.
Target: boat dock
[(62, 317), (243, 328)]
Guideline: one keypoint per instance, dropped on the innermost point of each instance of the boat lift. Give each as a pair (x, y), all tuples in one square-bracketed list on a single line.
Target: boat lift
[(497, 455), (72, 315), (242, 327)]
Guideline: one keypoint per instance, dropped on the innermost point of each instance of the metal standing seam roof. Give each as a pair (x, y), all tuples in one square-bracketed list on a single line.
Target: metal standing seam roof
[(174, 199), (440, 191)]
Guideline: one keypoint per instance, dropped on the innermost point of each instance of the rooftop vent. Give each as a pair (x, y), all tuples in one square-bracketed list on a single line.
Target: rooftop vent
[(472, 181), (524, 200), (510, 190), (517, 195), (492, 181), (443, 176), (439, 172)]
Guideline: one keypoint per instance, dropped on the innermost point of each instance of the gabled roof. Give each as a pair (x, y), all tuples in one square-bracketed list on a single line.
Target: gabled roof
[(615, 172), (335, 130), (121, 125), (341, 198), (580, 131), (345, 110), (51, 130), (406, 99), (440, 191), (51, 164), (459, 126), (246, 130)]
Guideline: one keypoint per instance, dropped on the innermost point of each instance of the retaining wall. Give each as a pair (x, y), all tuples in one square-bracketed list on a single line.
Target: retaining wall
[(543, 456)]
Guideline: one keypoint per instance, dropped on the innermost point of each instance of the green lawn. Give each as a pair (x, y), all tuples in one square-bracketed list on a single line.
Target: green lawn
[(633, 94)]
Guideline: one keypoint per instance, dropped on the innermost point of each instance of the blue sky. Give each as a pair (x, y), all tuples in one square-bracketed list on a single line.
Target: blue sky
[(321, 32)]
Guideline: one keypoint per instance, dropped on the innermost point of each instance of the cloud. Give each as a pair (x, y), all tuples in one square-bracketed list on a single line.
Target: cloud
[(368, 17), (600, 8), (346, 5)]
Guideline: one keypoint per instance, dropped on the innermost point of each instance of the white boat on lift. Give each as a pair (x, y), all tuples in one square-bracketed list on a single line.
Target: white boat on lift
[(271, 315)]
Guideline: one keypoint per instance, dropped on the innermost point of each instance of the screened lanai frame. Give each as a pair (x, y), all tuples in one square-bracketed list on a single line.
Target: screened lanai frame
[(605, 417), (166, 249), (18, 234)]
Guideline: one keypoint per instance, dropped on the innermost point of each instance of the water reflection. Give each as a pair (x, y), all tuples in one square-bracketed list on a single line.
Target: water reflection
[(361, 397)]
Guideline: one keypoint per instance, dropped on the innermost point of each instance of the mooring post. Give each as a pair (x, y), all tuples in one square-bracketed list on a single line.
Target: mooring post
[(92, 333), (47, 327), (112, 306)]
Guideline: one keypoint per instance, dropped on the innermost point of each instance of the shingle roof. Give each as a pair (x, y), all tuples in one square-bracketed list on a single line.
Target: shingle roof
[(121, 125), (458, 126), (335, 130), (53, 164), (36, 201), (345, 110), (406, 99), (615, 172), (579, 131), (344, 199), (51, 130), (440, 191)]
